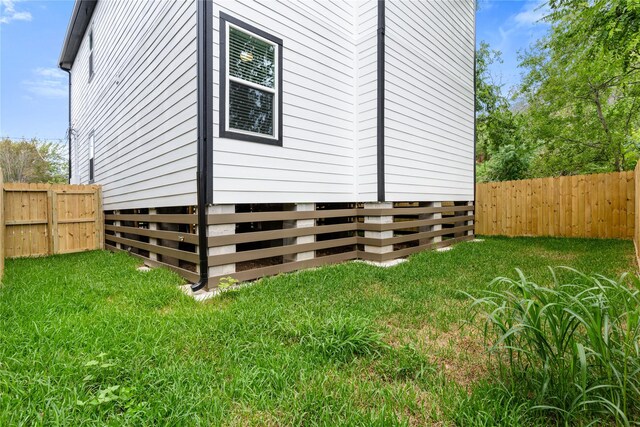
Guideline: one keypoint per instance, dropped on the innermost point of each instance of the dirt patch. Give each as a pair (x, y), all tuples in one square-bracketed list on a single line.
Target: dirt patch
[(459, 352), (551, 255)]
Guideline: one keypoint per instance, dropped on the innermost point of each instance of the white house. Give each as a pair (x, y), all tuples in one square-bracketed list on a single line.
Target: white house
[(209, 122)]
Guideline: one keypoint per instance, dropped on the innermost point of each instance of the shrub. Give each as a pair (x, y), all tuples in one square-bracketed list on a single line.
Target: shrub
[(573, 347)]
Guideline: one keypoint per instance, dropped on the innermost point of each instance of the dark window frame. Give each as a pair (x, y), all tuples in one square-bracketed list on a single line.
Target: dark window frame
[(91, 148), (230, 134), (92, 70)]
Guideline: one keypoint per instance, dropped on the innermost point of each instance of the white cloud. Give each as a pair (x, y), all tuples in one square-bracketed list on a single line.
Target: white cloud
[(48, 83), (532, 14), (528, 21), (9, 12)]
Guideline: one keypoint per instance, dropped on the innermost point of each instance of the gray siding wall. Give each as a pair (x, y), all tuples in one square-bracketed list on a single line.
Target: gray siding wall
[(366, 101), (429, 100), (317, 159), (140, 104)]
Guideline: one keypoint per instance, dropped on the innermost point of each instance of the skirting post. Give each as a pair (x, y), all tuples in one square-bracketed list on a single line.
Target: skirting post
[(221, 230), (301, 223), (152, 240), (378, 219), (436, 227), (470, 222), (118, 234)]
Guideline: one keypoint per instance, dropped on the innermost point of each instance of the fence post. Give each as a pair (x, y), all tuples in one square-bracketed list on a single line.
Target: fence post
[(52, 222), (99, 214), (50, 229)]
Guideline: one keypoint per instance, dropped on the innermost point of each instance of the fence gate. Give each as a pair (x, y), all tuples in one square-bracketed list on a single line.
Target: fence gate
[(47, 219)]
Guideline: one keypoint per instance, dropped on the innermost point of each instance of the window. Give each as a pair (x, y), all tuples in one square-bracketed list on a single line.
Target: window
[(92, 151), (91, 70), (251, 83)]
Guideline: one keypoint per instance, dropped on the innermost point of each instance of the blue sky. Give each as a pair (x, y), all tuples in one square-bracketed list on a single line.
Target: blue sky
[(510, 27), (33, 91)]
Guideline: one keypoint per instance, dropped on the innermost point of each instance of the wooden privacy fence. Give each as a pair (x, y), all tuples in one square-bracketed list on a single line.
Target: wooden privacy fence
[(47, 219), (600, 205)]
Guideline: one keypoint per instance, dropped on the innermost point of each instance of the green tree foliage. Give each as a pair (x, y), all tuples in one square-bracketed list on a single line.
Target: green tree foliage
[(498, 129), (496, 125), (581, 87), (509, 163), (579, 98), (32, 161)]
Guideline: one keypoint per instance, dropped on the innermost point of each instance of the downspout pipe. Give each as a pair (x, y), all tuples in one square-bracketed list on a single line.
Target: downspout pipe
[(69, 127), (205, 133)]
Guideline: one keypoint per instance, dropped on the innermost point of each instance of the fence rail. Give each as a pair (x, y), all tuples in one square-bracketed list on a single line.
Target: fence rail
[(600, 205)]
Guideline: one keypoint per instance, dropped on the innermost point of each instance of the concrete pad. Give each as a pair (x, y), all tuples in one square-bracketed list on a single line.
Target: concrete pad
[(385, 264), (201, 295), (144, 268), (445, 249)]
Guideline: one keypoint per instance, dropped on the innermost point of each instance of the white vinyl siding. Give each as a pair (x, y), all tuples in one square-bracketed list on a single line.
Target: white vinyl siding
[(429, 100), (141, 103), (366, 99), (316, 161)]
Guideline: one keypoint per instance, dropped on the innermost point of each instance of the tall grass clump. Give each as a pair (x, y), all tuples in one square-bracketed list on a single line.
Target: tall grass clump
[(573, 347)]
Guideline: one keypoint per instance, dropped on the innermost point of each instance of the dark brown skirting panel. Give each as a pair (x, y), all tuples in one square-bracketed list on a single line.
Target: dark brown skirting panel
[(253, 241)]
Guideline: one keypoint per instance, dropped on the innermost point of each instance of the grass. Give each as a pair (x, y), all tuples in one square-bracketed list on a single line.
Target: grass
[(572, 347), (85, 339)]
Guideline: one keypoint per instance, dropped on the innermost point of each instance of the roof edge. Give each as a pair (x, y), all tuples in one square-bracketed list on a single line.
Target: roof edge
[(80, 18)]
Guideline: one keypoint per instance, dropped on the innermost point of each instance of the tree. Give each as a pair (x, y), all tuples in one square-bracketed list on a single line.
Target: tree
[(498, 129), (583, 98), (509, 163), (32, 161)]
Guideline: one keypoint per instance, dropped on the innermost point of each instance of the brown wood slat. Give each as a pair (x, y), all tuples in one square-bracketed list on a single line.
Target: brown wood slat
[(188, 275), (414, 236), (414, 211), (413, 223), (168, 218), (235, 218), (284, 268), (278, 251), (409, 251), (159, 234), (176, 253), (258, 236)]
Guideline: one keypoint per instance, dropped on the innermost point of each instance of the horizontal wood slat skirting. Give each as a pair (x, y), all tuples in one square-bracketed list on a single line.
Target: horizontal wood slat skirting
[(189, 275), (161, 239), (277, 239)]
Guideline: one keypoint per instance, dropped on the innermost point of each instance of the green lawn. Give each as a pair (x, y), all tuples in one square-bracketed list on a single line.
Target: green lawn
[(86, 339)]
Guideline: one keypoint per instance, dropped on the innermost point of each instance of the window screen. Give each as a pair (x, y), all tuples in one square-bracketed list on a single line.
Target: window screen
[(251, 89)]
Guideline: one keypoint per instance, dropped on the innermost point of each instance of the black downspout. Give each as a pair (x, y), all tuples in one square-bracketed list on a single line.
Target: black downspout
[(475, 115), (69, 132), (380, 103), (205, 132)]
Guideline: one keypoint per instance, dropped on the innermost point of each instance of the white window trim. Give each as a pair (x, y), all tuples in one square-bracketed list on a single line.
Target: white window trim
[(274, 90)]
